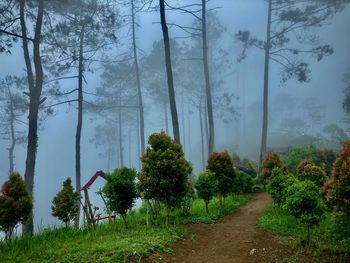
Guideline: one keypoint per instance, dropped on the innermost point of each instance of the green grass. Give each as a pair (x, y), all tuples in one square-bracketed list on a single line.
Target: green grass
[(112, 242), (324, 237)]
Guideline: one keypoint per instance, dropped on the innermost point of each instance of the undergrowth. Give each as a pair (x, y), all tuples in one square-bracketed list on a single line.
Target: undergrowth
[(112, 242)]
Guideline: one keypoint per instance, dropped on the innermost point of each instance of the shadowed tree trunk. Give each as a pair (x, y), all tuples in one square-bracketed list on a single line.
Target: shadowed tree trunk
[(207, 80), (35, 85), (142, 122), (12, 132), (80, 120), (266, 86), (172, 99), (202, 132)]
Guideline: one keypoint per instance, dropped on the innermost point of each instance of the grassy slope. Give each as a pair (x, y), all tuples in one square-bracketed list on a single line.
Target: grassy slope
[(111, 242), (279, 221)]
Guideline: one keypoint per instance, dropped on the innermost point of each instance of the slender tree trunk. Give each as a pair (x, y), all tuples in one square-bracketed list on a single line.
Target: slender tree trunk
[(207, 79), (266, 86), (142, 121), (138, 142), (12, 132), (189, 136), (202, 132), (166, 120), (80, 120), (129, 146), (207, 207), (121, 138), (172, 99), (183, 125), (35, 89), (206, 127)]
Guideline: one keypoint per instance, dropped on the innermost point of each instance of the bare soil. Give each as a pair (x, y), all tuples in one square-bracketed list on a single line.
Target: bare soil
[(237, 239)]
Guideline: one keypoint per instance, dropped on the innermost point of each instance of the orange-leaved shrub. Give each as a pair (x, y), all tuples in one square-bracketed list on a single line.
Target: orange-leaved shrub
[(271, 161), (337, 189), (15, 204), (220, 163)]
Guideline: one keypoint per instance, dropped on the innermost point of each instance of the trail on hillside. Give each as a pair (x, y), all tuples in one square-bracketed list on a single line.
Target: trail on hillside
[(235, 239)]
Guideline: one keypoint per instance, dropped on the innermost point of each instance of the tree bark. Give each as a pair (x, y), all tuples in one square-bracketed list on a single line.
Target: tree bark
[(202, 132), (139, 92), (121, 138), (171, 90), (80, 120), (12, 132), (266, 86), (166, 117), (35, 89), (207, 80)]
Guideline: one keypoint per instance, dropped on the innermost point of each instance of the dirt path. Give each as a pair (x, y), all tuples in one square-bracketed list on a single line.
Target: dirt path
[(234, 239)]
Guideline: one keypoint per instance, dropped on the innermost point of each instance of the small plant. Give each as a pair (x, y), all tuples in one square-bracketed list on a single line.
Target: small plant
[(187, 200), (271, 161), (243, 183), (206, 187), (278, 185), (220, 163), (303, 202), (120, 191), (295, 155), (164, 172), (337, 189), (309, 171), (65, 204), (15, 204)]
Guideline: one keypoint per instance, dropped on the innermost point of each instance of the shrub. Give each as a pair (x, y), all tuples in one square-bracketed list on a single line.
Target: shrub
[(164, 172), (15, 204), (295, 155), (329, 158), (221, 165), (187, 200), (243, 183), (271, 161), (337, 189), (278, 185), (120, 191), (313, 173), (303, 202), (206, 187), (65, 204)]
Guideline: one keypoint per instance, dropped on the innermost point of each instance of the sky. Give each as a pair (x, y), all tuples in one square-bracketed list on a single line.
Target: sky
[(55, 159)]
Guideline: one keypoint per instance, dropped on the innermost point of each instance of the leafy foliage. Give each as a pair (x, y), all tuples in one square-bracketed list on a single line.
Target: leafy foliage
[(337, 188), (206, 187), (165, 171), (120, 190), (278, 185), (308, 171), (65, 203), (303, 202), (295, 155), (271, 161), (15, 204), (221, 165), (243, 183)]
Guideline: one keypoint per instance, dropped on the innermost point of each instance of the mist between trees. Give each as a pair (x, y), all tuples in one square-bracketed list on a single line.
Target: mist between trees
[(85, 82)]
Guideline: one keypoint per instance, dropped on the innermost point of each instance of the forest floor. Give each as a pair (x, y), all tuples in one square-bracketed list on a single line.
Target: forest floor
[(237, 238)]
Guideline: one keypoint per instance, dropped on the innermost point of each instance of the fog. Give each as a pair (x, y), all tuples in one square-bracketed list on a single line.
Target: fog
[(239, 128)]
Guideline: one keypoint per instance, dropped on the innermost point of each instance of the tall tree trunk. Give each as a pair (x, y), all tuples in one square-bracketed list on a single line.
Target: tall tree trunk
[(142, 121), (207, 79), (129, 146), (206, 127), (80, 120), (121, 148), (266, 86), (12, 132), (35, 89), (138, 142), (202, 132), (172, 99), (183, 125), (189, 135), (166, 120)]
